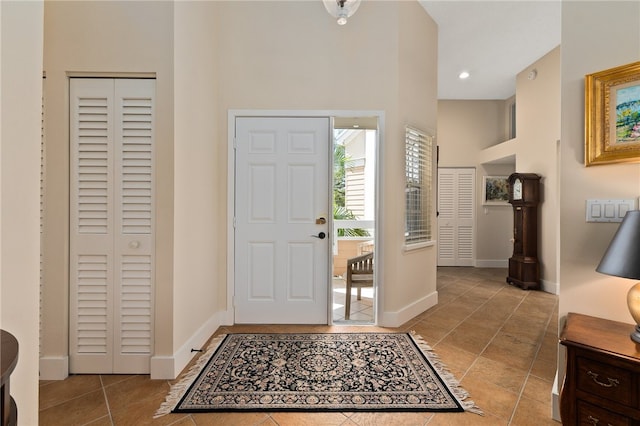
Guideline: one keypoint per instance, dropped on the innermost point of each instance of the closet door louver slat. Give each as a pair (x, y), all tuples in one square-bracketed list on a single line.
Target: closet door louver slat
[(112, 225)]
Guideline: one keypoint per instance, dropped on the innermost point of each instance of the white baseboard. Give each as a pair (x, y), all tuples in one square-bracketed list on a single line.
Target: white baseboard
[(168, 367), (550, 287), (396, 319), (555, 400), (54, 367), (492, 263)]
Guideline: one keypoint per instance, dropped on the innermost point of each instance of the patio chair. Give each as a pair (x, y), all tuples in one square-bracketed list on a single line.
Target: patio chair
[(359, 274)]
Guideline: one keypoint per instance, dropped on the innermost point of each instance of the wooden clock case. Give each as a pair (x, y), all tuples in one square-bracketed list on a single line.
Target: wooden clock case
[(524, 268)]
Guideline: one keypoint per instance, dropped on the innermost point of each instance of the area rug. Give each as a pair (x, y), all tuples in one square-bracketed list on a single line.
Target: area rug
[(318, 372)]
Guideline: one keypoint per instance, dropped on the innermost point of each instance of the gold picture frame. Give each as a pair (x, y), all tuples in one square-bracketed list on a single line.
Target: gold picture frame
[(612, 115)]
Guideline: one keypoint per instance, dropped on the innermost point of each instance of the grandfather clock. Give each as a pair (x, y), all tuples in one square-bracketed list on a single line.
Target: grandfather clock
[(524, 196)]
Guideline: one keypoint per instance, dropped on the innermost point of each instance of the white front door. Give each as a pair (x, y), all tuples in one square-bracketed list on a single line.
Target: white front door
[(456, 189), (282, 203), (111, 225)]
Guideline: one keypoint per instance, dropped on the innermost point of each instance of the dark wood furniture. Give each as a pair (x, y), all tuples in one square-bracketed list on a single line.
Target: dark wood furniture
[(8, 361), (359, 274), (524, 196), (602, 381)]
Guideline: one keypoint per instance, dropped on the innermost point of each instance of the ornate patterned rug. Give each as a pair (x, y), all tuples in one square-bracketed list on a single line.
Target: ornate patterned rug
[(318, 372)]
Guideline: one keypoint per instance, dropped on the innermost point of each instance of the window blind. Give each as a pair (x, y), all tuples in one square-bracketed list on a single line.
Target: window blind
[(418, 184)]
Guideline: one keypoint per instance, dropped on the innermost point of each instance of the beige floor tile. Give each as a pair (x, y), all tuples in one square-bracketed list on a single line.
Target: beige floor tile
[(137, 389), (532, 413), (141, 412), (458, 361), (78, 411), (390, 419), (475, 306), (308, 419), (511, 350), (538, 389), (102, 421), (466, 419), (57, 392), (498, 373), (230, 419), (471, 337), (491, 398)]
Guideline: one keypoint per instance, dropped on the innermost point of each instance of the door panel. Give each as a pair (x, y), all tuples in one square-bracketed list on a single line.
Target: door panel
[(111, 232), (456, 192), (282, 187)]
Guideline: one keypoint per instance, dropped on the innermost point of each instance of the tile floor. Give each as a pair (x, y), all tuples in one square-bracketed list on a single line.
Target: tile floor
[(498, 340), (361, 310)]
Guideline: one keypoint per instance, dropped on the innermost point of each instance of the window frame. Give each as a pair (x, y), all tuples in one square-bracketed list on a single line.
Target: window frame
[(418, 231)]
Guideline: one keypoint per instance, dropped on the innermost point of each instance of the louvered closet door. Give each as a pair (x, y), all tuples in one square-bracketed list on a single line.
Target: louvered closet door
[(456, 194), (111, 225)]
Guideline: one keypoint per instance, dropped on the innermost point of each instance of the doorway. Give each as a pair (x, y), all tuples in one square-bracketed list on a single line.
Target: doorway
[(355, 146), (111, 270), (456, 216), (246, 268)]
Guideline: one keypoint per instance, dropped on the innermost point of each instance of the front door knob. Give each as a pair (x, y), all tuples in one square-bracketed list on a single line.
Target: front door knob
[(321, 235)]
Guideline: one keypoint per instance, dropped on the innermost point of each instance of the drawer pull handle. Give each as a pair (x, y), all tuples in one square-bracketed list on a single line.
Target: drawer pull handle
[(594, 421), (612, 382)]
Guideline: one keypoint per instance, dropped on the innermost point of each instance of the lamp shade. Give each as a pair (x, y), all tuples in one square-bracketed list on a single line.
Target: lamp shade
[(622, 258)]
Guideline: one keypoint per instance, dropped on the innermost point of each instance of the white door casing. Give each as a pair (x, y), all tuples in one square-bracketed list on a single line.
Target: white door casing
[(282, 190), (456, 207), (111, 225)]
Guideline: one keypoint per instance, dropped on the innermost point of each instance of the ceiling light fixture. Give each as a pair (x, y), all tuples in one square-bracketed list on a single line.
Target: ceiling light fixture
[(341, 9), (464, 75)]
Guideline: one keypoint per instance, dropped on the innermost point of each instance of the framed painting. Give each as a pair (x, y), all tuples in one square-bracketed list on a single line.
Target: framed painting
[(612, 115), (495, 190)]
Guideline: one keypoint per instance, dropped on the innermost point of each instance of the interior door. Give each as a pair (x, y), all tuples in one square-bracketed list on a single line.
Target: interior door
[(111, 225), (281, 220), (456, 194)]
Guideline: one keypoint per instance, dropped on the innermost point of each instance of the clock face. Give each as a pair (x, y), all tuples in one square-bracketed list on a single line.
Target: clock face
[(517, 190)]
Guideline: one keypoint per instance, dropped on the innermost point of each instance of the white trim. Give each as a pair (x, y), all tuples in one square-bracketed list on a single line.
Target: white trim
[(418, 246), (396, 319), (54, 367), (492, 263), (168, 367), (550, 287), (232, 114), (555, 399)]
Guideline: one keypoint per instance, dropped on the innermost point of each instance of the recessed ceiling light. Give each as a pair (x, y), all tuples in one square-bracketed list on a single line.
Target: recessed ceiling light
[(464, 75)]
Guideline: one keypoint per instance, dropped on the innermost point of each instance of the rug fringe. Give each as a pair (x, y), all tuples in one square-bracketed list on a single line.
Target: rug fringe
[(461, 395), (178, 389)]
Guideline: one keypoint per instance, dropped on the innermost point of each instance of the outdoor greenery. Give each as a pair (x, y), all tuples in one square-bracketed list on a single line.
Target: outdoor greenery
[(340, 212)]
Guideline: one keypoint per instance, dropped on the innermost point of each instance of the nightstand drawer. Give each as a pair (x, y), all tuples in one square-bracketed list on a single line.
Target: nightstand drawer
[(605, 380), (591, 415)]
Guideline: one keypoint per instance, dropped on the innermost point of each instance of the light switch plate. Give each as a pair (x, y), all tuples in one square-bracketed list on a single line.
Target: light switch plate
[(604, 210)]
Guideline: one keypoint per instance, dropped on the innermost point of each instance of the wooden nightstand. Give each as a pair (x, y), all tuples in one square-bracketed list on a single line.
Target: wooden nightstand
[(602, 382)]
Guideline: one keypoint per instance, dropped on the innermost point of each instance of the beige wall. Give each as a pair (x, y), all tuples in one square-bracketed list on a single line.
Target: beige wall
[(595, 36), (198, 208), (536, 149), (210, 58), (113, 39), (467, 127), (383, 59), (20, 120)]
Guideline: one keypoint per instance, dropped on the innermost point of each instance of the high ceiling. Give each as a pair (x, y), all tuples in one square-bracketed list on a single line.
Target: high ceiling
[(493, 41)]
